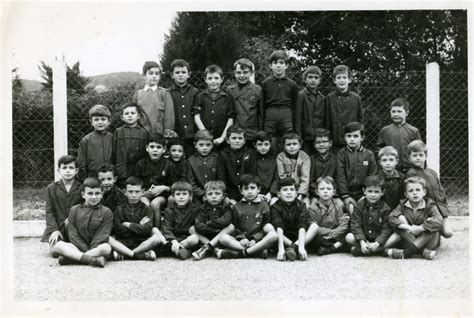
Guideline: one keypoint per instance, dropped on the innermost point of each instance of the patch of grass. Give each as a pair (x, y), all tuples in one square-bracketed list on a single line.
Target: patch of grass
[(458, 205)]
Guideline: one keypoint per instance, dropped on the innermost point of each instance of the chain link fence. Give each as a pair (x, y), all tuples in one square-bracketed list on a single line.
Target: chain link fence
[(33, 160)]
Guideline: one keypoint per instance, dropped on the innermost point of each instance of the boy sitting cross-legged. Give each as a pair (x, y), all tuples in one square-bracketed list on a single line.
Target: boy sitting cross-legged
[(88, 225), (133, 222), (250, 216), (178, 219), (213, 219), (112, 196), (417, 220)]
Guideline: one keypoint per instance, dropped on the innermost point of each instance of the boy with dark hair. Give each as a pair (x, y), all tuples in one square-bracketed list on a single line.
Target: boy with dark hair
[(202, 163), (112, 196), (250, 216), (130, 142), (393, 179), (417, 220), (247, 99), (323, 161), (266, 166), (341, 106), (214, 109), (399, 133), (89, 226), (354, 164), (417, 153), (60, 196), (234, 161), (179, 164), (96, 147), (279, 97), (178, 219), (184, 97), (156, 103), (309, 108)]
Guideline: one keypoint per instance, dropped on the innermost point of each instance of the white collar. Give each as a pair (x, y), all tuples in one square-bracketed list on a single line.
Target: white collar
[(422, 205), (153, 88)]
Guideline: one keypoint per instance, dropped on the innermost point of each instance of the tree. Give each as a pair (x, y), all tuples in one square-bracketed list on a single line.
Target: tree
[(17, 85), (75, 81)]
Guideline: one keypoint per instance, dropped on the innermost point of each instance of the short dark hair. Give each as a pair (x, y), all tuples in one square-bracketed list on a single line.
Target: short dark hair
[(374, 181), (262, 135), (326, 179), (157, 138), (354, 126), (150, 64), (66, 159), (175, 141), (182, 186), (99, 111), (247, 179), (341, 69), (91, 182), (107, 167), (278, 55), (415, 179), (203, 135), (313, 69), (134, 181), (213, 69), (417, 146), (236, 129), (179, 63), (137, 107), (401, 102), (244, 63), (290, 135), (286, 182), (321, 133)]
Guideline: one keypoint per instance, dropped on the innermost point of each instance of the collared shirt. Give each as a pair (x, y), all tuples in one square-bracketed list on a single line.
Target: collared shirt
[(332, 219), (157, 110), (249, 217), (289, 217), (132, 213), (298, 169), (321, 166), (394, 188), (308, 113), (426, 215), (177, 221), (130, 145), (204, 170), (370, 221), (147, 87), (183, 100), (279, 92), (94, 150)]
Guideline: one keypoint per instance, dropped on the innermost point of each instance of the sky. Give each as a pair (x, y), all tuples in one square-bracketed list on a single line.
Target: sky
[(104, 37)]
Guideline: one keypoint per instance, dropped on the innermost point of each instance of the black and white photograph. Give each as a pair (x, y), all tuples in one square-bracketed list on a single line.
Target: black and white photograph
[(236, 159)]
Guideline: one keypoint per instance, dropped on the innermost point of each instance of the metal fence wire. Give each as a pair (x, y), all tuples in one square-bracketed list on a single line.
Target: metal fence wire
[(33, 159)]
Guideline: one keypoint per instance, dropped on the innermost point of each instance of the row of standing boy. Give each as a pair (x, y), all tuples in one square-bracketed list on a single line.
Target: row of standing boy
[(234, 160)]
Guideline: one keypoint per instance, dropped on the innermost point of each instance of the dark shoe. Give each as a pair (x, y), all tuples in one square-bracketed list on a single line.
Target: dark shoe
[(290, 253), (356, 251), (323, 250), (63, 260), (263, 254), (184, 253), (97, 261), (228, 254), (203, 252)]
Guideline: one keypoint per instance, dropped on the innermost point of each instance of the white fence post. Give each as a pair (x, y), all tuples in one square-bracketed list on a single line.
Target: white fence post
[(59, 110), (432, 116)]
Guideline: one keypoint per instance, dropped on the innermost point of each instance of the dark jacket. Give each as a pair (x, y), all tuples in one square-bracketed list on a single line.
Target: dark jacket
[(394, 188), (369, 222), (183, 100), (158, 172), (279, 92), (249, 217), (113, 198), (308, 113), (321, 167), (211, 219), (132, 213), (94, 150), (203, 170), (267, 173), (130, 144), (177, 221), (427, 215), (289, 217), (333, 221)]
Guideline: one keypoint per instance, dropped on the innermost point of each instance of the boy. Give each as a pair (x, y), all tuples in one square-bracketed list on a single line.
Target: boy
[(184, 97), (213, 219), (130, 141), (156, 103), (202, 163), (178, 219), (133, 222), (247, 99), (354, 164), (294, 163), (417, 152), (234, 161), (60, 196), (249, 216), (279, 97), (323, 161), (399, 133), (417, 220), (328, 219), (156, 173), (214, 109), (179, 164), (112, 196), (95, 148), (309, 108), (89, 225), (266, 166), (290, 218), (393, 179), (370, 231), (341, 106)]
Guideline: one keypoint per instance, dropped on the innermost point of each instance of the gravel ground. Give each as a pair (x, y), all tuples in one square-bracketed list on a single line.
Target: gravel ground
[(37, 277)]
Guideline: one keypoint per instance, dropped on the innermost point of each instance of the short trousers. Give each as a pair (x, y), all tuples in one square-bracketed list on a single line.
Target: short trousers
[(278, 120), (131, 243)]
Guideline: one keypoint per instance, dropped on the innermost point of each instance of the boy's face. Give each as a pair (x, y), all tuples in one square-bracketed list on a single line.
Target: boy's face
[(292, 146), (312, 80), (342, 82), (278, 67), (155, 150), (325, 191), (176, 152), (242, 75), (180, 75), (415, 192), (417, 158), (203, 147), (263, 146), (130, 116), (388, 163), (322, 144), (68, 171), (107, 179), (152, 76), (250, 191), (213, 81), (373, 193), (214, 196), (236, 140), (91, 196), (133, 193), (287, 194), (182, 198), (100, 123), (398, 115), (354, 139)]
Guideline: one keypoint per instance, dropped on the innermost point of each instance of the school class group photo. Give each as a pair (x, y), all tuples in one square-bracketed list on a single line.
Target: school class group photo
[(254, 171)]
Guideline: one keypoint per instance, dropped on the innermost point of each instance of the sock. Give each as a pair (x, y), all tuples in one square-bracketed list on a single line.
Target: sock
[(410, 251), (85, 259), (242, 253), (139, 256)]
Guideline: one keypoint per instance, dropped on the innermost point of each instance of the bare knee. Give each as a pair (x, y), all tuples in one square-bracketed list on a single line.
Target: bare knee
[(267, 228), (193, 239), (350, 239), (224, 238)]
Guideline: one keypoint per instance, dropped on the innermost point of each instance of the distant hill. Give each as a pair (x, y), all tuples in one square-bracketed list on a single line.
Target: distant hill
[(114, 79)]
